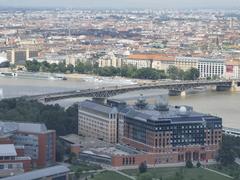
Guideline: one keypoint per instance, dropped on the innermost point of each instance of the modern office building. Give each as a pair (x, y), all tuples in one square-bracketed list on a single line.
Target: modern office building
[(37, 142), (98, 120), (156, 134)]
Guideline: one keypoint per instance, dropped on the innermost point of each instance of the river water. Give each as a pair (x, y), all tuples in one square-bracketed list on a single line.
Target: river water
[(223, 104)]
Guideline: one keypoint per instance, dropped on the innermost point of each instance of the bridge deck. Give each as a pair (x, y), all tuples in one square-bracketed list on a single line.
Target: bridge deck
[(115, 90)]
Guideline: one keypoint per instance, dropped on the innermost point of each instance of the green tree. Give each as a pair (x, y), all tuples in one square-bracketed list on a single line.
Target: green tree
[(189, 164), (173, 72), (142, 167), (80, 68), (53, 68), (192, 74), (72, 158), (33, 66), (62, 67), (54, 116), (70, 68), (59, 151), (198, 164)]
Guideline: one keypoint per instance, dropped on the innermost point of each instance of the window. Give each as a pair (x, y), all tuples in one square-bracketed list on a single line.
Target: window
[(1, 166), (10, 166)]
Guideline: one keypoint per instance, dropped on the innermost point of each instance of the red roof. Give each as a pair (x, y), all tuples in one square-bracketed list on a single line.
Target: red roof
[(157, 57)]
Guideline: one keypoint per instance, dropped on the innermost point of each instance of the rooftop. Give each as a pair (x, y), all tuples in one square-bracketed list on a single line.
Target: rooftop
[(85, 142), (160, 57), (7, 150), (179, 114), (97, 107), (10, 127), (46, 172)]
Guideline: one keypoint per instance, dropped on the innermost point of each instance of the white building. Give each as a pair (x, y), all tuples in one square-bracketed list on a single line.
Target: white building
[(207, 67)]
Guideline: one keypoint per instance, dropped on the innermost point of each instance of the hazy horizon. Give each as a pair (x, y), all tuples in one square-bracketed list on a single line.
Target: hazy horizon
[(117, 4)]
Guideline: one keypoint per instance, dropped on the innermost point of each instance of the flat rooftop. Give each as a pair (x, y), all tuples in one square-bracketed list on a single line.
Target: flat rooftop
[(41, 173), (112, 151), (7, 127), (7, 150), (84, 142), (176, 114)]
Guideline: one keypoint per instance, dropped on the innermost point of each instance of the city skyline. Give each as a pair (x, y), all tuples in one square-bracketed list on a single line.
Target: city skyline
[(116, 4)]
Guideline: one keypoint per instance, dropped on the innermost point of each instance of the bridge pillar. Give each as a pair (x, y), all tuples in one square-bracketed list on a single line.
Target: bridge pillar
[(99, 100), (235, 86), (183, 93), (223, 88), (174, 92)]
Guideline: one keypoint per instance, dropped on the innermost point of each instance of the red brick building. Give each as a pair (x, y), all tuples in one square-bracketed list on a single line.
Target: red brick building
[(37, 142)]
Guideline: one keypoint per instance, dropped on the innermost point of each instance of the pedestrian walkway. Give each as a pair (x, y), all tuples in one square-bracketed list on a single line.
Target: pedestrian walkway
[(124, 174), (217, 172)]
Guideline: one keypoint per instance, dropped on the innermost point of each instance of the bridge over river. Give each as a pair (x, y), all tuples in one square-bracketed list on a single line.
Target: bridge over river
[(174, 87)]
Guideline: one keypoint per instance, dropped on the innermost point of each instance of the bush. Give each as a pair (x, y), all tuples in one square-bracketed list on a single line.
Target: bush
[(189, 164), (143, 167), (199, 164)]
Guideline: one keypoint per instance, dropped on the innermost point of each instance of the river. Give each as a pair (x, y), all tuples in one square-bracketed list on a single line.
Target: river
[(223, 104)]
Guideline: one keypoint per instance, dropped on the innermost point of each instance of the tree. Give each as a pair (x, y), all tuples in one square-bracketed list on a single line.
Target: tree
[(142, 167), (62, 67), (80, 67), (72, 157), (32, 66), (70, 68), (198, 164), (192, 74), (229, 150), (189, 164), (149, 73), (59, 151), (173, 72), (54, 116)]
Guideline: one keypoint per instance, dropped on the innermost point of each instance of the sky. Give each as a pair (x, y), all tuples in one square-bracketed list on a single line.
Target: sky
[(156, 4)]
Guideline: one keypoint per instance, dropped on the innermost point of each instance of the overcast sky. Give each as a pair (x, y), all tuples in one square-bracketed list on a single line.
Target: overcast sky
[(159, 4)]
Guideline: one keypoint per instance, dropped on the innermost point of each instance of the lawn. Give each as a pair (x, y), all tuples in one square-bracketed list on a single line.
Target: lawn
[(231, 170), (188, 174), (84, 167), (109, 175)]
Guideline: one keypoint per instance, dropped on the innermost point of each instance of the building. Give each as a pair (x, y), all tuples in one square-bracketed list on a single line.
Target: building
[(156, 61), (19, 56), (51, 173), (13, 160), (38, 142), (110, 60), (186, 63), (213, 68), (232, 69), (97, 120), (155, 134)]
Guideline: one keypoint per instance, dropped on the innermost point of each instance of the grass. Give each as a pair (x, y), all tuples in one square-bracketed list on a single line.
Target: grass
[(84, 167), (189, 174), (109, 175), (231, 170)]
